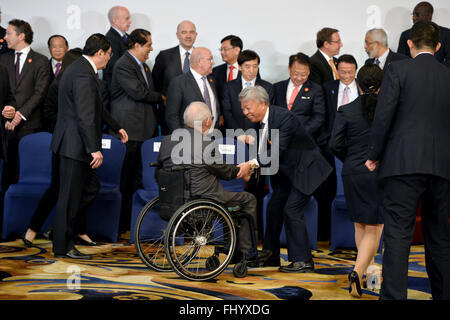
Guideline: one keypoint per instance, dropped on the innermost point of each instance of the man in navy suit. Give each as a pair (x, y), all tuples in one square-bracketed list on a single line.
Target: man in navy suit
[(77, 140), (230, 48), (409, 142), (376, 46), (133, 105), (195, 85), (248, 62), (120, 19), (300, 171), (304, 98), (323, 62), (29, 75), (172, 62)]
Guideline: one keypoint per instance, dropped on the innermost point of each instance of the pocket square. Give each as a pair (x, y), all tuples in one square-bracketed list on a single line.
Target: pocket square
[(306, 98)]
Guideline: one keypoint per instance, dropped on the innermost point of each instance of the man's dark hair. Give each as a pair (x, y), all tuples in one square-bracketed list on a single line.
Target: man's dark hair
[(247, 55), (347, 58), (324, 35), (423, 11), (425, 34), (94, 43), (300, 58), (23, 27), (138, 36), (56, 36), (71, 56), (235, 41)]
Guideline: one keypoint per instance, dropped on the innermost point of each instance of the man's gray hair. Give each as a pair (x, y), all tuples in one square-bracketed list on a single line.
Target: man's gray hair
[(196, 113), (257, 93), (379, 35)]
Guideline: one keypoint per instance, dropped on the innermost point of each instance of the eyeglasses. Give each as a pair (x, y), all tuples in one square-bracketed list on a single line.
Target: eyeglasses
[(336, 41), (369, 43)]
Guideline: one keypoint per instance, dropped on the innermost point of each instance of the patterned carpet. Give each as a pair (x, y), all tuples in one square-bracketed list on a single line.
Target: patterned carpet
[(117, 273)]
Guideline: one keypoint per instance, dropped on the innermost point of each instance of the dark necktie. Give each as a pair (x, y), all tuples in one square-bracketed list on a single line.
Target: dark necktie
[(377, 62), (18, 66), (58, 68), (206, 94), (125, 38), (186, 66)]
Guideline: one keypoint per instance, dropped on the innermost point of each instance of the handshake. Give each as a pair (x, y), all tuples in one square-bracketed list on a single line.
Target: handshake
[(246, 170), (9, 112)]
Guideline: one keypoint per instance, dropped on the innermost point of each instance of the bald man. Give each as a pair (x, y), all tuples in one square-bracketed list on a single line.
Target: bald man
[(172, 62), (120, 20), (197, 84), (423, 11)]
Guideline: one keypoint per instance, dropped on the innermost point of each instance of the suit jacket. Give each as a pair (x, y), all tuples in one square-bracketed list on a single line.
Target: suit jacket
[(410, 132), (350, 138), (443, 54), (392, 56), (78, 131), (118, 48), (220, 74), (167, 66), (231, 107), (320, 68), (331, 93), (3, 45), (182, 91), (133, 99), (31, 89), (6, 99), (203, 177), (299, 157), (308, 107)]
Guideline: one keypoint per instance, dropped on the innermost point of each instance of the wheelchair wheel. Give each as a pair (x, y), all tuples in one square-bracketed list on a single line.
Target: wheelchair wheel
[(149, 241), (200, 240)]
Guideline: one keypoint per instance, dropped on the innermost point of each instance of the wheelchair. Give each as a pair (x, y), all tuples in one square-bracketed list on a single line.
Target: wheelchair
[(196, 238)]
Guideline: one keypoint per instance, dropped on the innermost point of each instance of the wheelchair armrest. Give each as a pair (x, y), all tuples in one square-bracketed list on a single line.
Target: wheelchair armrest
[(155, 164)]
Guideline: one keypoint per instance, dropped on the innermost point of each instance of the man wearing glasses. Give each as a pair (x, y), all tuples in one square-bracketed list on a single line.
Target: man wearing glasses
[(323, 62), (423, 11)]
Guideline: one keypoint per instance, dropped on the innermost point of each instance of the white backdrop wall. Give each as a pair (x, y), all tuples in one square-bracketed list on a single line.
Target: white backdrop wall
[(275, 29)]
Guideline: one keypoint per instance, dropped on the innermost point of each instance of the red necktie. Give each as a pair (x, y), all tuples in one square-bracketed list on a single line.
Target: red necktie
[(293, 96), (230, 74)]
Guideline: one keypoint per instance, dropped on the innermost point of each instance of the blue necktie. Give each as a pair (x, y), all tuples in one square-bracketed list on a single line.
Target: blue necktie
[(186, 66), (125, 38), (206, 94)]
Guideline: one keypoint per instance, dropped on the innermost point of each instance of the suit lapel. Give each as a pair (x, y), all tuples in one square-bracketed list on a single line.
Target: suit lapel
[(137, 67), (194, 86), (27, 66), (305, 88), (177, 59)]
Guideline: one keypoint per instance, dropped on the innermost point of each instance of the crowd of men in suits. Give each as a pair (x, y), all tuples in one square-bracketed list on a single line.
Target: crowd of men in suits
[(145, 103)]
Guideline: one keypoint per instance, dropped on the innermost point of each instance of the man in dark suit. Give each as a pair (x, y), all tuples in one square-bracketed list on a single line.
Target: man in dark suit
[(173, 62), (7, 103), (376, 46), (304, 99), (323, 62), (230, 48), (29, 74), (248, 62), (133, 104), (57, 46), (409, 142), (340, 92), (423, 11), (120, 19), (3, 45), (195, 85), (77, 139), (296, 168)]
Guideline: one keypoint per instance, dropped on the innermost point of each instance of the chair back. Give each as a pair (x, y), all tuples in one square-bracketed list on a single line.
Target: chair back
[(113, 151), (150, 151), (233, 152), (340, 185), (35, 158)]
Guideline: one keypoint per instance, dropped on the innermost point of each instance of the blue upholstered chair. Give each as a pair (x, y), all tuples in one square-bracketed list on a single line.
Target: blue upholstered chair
[(233, 152), (21, 199), (156, 225), (311, 219), (104, 214)]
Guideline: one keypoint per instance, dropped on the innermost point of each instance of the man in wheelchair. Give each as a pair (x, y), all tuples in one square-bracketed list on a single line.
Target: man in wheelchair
[(201, 173)]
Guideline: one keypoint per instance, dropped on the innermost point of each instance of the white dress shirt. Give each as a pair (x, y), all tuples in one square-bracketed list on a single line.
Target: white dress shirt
[(352, 92), (23, 57), (198, 79), (328, 60), (382, 59), (244, 83), (183, 55)]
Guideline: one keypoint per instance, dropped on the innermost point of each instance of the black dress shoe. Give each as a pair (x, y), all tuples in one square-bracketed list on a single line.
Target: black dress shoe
[(298, 267), (354, 286), (74, 254), (83, 242), (26, 242)]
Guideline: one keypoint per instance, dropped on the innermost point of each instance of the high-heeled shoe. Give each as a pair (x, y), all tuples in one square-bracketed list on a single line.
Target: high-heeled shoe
[(26, 242), (354, 285), (83, 242)]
